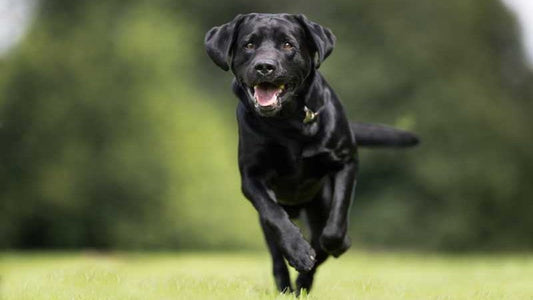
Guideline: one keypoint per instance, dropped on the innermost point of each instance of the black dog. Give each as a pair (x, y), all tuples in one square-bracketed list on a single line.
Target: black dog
[(297, 150)]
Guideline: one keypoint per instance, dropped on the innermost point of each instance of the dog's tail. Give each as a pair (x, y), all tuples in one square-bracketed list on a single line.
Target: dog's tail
[(374, 135)]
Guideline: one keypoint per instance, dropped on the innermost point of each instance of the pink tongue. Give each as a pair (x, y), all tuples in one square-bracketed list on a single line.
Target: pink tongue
[(266, 95)]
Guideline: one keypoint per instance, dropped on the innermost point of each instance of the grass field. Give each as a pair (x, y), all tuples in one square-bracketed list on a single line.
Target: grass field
[(356, 275)]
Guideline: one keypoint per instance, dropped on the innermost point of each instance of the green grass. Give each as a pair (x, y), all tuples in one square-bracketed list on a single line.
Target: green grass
[(356, 275)]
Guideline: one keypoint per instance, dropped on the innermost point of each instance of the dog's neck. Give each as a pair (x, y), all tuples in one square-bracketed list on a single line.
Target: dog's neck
[(314, 100), (307, 103)]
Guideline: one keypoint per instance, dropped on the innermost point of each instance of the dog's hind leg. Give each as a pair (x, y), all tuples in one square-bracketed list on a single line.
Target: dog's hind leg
[(316, 215), (280, 270)]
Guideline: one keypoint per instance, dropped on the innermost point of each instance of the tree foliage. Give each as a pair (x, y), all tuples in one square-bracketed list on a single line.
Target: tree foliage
[(116, 131)]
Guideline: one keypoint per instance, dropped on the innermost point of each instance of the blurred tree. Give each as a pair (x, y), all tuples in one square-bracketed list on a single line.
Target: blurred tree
[(116, 130), (105, 140), (444, 70)]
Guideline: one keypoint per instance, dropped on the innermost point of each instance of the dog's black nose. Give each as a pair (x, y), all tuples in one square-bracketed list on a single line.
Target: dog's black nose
[(265, 68)]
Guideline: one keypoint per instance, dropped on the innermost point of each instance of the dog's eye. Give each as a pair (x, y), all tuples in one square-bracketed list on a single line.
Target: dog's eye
[(287, 46), (249, 45)]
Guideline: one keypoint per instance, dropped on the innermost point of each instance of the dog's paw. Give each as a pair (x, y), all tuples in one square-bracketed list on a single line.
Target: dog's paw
[(304, 282), (300, 255), (334, 243)]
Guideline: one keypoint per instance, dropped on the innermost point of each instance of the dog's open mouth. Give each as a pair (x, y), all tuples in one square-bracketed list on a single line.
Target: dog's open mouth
[(267, 95)]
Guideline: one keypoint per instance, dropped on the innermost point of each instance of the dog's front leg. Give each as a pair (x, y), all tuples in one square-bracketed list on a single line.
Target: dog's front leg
[(334, 238), (287, 236)]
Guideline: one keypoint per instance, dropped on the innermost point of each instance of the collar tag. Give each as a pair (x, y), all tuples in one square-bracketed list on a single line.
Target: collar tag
[(310, 115)]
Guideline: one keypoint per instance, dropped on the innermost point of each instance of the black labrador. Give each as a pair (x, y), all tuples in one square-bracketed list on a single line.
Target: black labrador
[(297, 149)]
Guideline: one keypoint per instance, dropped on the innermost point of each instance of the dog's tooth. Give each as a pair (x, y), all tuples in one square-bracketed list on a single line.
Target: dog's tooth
[(282, 86)]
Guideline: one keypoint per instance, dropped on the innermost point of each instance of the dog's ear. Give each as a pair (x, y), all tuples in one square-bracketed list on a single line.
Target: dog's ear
[(322, 38), (218, 42)]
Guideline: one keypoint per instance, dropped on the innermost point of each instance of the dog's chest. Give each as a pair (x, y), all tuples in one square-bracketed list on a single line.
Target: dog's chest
[(299, 174)]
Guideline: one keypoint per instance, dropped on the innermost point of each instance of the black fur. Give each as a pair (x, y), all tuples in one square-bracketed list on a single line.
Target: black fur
[(297, 154)]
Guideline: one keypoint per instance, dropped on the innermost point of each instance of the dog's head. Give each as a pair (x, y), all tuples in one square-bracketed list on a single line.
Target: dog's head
[(270, 55)]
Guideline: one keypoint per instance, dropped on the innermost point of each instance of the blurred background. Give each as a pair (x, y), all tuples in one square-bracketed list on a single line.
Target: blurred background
[(118, 132)]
